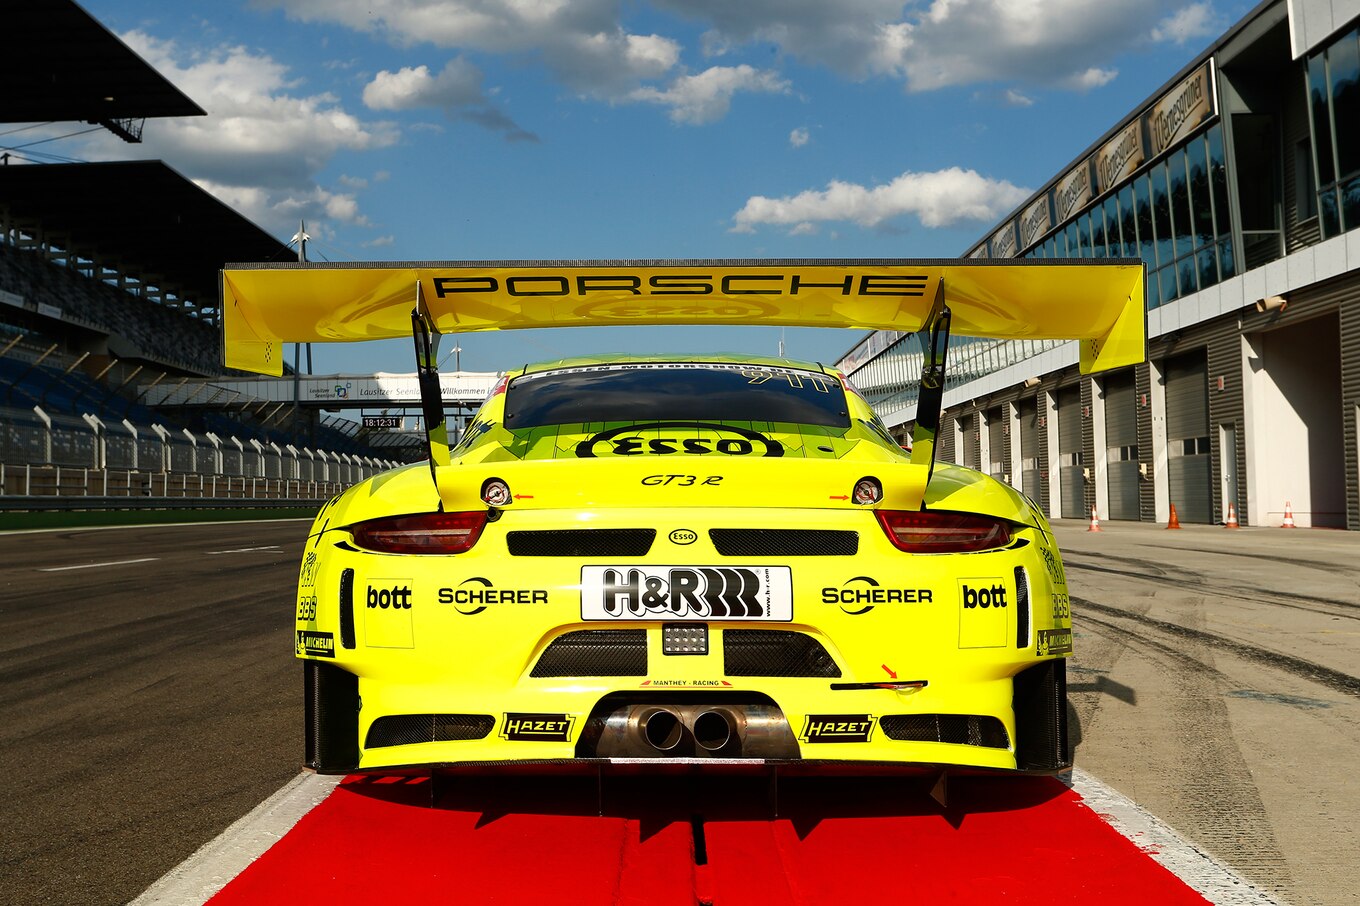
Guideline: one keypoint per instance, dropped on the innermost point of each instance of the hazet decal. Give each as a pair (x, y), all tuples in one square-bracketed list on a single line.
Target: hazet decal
[(537, 727), (838, 728)]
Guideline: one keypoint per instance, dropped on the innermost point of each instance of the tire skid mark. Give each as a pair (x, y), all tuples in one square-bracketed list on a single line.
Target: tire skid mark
[(1349, 610), (1332, 679), (1320, 565), (1222, 808)]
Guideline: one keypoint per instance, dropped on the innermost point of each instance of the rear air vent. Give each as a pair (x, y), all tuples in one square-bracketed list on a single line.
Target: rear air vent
[(959, 729), (595, 652), (347, 608), (1021, 608), (407, 729), (581, 543), (765, 542), (775, 652)]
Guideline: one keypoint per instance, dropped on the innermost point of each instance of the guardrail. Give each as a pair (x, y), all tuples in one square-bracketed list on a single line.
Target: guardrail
[(56, 488), (11, 504)]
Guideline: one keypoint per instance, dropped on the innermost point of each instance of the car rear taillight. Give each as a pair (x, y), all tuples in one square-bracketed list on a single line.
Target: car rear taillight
[(428, 533), (934, 532)]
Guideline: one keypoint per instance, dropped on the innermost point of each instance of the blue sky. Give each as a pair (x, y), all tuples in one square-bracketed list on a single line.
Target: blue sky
[(443, 129)]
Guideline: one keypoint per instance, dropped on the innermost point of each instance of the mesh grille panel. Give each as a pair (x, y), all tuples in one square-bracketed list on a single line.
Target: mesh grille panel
[(595, 652), (406, 729), (581, 543), (959, 729), (784, 542), (1021, 608), (771, 652)]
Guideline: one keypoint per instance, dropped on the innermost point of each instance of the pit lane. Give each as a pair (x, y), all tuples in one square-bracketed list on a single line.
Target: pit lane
[(146, 706)]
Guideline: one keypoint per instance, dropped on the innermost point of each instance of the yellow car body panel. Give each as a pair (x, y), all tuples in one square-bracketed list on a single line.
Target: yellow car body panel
[(462, 634)]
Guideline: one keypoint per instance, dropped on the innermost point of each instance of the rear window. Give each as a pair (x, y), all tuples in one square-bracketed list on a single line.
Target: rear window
[(693, 392)]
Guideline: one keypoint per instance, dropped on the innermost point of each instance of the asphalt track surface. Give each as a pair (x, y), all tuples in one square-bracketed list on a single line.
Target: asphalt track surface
[(148, 699)]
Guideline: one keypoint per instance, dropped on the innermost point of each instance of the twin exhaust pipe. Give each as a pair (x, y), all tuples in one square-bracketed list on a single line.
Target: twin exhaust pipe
[(655, 729), (712, 730)]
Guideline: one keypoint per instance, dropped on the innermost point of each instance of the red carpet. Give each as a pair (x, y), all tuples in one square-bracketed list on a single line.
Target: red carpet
[(685, 840)]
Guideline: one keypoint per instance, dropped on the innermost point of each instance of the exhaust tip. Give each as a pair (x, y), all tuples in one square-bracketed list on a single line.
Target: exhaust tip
[(713, 730), (662, 729)]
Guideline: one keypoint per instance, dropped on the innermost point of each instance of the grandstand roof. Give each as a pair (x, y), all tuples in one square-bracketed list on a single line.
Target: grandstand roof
[(146, 215), (61, 64)]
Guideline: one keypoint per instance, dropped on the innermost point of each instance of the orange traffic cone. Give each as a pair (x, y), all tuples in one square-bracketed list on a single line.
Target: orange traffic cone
[(1095, 521), (1232, 517), (1288, 516), (1173, 522)]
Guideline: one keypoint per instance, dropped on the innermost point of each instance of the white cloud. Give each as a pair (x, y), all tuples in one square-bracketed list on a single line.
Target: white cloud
[(262, 143), (799, 137), (942, 43), (457, 90), (1016, 99), (706, 97), (1091, 78), (381, 241), (581, 41), (1198, 20), (939, 199)]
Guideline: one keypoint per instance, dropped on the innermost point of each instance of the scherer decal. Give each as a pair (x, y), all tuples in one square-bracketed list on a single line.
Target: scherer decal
[(474, 594), (866, 591), (737, 442)]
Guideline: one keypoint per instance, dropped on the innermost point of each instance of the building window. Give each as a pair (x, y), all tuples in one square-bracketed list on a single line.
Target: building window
[(1305, 186), (1332, 78)]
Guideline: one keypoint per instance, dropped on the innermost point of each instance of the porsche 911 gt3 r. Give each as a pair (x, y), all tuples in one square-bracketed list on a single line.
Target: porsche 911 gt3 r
[(704, 558)]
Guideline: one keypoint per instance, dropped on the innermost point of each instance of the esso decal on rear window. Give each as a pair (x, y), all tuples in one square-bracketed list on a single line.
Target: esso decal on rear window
[(687, 593), (666, 438)]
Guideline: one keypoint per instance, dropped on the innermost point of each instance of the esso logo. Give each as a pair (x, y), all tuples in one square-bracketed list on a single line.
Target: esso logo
[(684, 536)]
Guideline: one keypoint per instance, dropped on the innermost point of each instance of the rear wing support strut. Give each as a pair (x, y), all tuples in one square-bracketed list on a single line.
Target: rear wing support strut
[(934, 337), (427, 336)]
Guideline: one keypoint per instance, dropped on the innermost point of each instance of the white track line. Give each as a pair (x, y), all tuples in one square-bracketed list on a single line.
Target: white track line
[(1210, 878), (248, 550), (58, 569), (199, 877)]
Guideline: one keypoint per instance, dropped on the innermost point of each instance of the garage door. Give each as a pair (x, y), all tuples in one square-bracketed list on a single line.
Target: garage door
[(1121, 445), (996, 444), (1187, 437), (1071, 488), (1029, 451)]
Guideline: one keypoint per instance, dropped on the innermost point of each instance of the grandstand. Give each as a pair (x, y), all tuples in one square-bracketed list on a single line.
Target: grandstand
[(109, 284)]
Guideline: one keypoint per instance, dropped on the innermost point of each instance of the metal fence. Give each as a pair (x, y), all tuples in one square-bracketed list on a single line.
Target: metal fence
[(42, 454)]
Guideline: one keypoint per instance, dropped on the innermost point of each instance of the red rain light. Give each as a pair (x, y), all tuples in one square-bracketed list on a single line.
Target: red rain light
[(933, 532), (428, 533)]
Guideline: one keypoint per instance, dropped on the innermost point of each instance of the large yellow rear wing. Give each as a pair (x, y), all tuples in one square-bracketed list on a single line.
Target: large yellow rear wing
[(1099, 303)]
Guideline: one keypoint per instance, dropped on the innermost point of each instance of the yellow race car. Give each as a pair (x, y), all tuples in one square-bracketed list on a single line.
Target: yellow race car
[(683, 558)]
